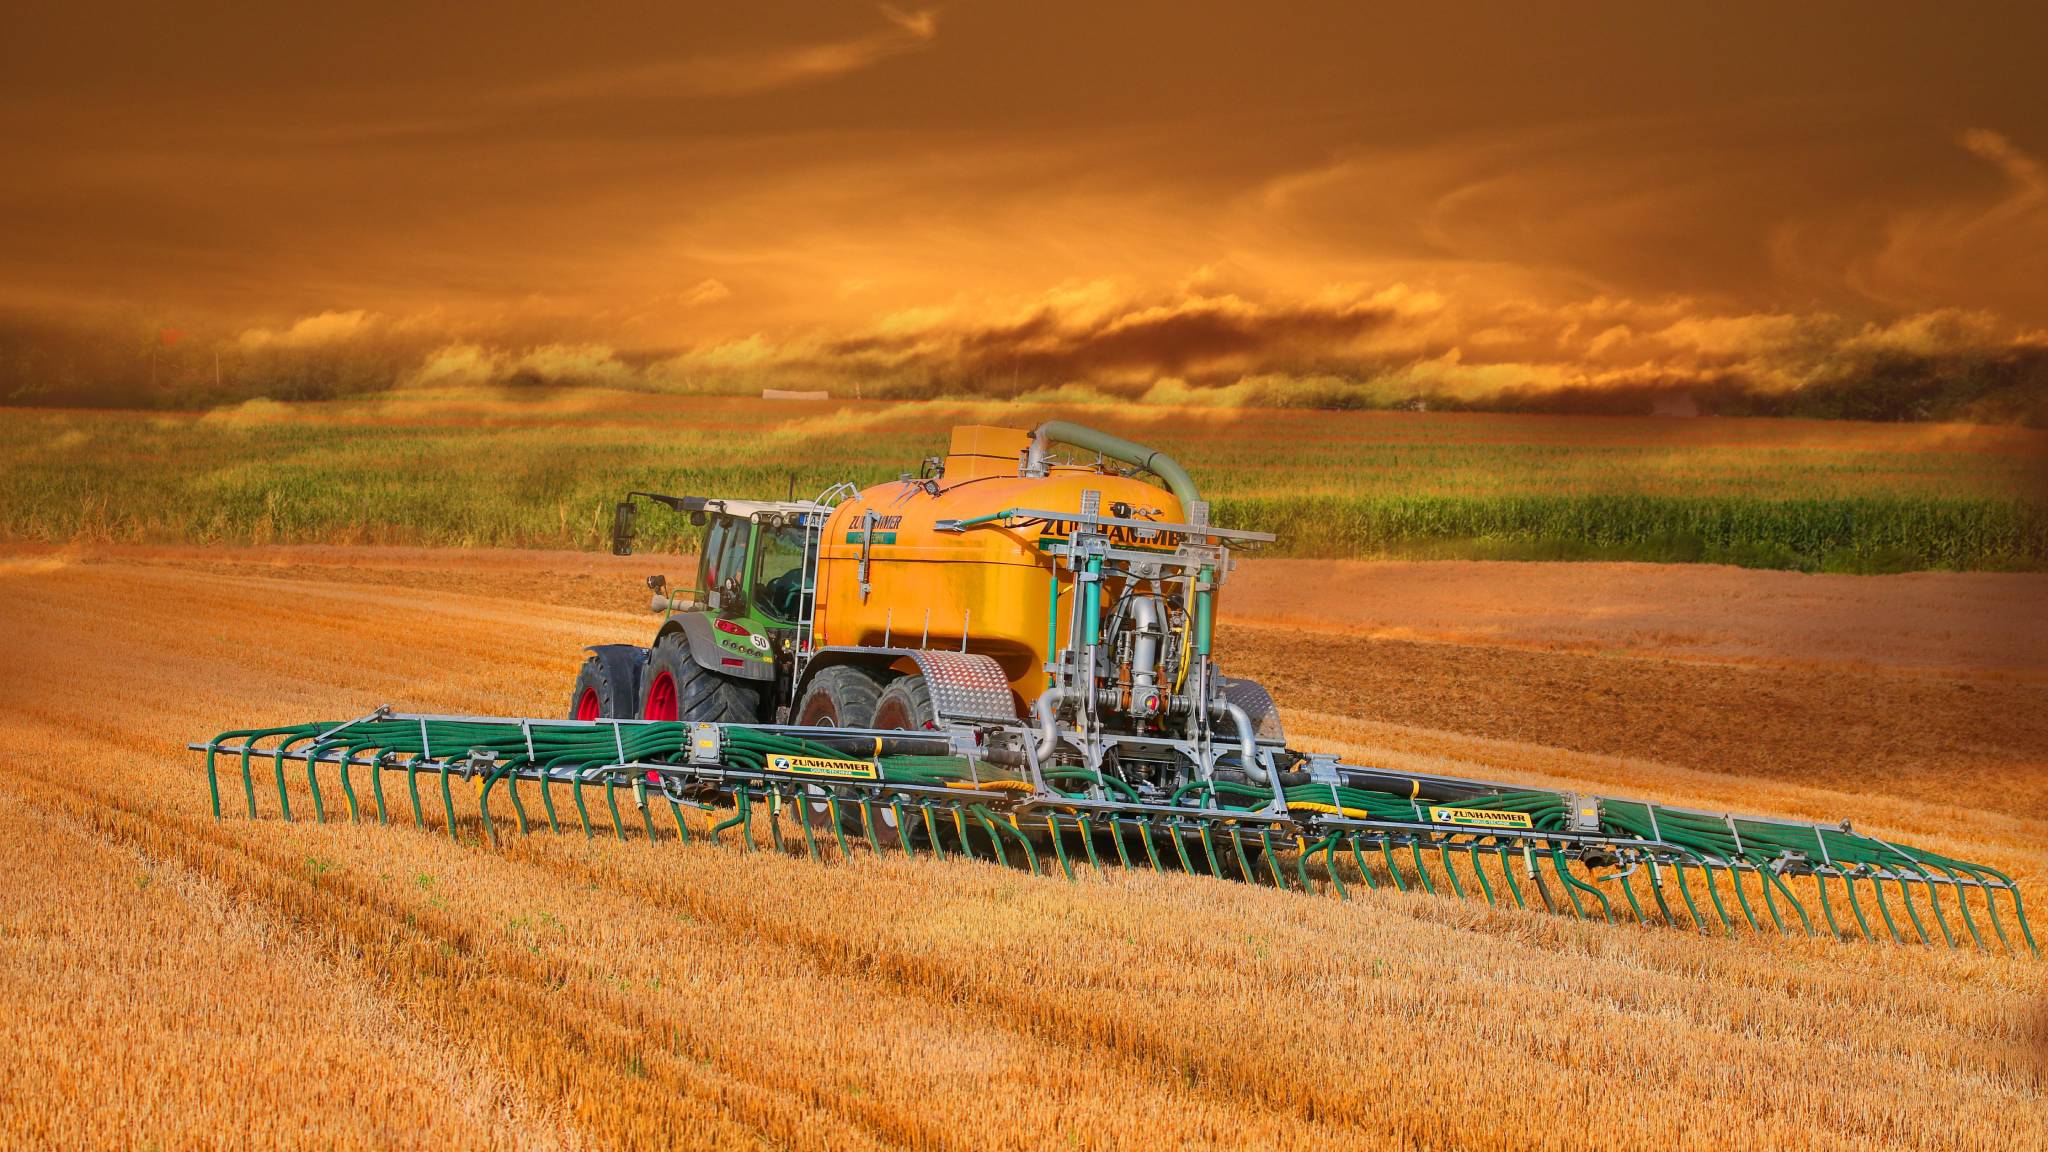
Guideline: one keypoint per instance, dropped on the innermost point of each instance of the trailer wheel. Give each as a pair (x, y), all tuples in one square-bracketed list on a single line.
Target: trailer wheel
[(907, 704), (678, 688), (596, 697), (841, 696)]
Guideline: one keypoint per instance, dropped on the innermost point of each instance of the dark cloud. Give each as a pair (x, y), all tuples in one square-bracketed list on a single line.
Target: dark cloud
[(1469, 199)]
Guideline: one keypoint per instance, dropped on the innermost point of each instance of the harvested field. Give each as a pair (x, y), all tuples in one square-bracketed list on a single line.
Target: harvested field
[(182, 982)]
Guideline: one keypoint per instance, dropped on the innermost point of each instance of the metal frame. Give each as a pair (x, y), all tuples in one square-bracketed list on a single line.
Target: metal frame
[(1013, 809)]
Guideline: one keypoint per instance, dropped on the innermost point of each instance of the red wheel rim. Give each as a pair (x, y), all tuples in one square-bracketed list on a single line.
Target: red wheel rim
[(661, 698), (587, 706)]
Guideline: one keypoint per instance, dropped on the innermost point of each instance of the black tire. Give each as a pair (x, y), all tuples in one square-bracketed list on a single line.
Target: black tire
[(906, 704), (596, 697), (842, 696), (676, 687)]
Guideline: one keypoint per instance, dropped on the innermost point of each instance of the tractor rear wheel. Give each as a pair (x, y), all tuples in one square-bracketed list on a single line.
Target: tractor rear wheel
[(679, 688), (596, 697)]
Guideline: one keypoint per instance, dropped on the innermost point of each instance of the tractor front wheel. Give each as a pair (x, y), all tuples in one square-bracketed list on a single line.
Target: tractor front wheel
[(678, 688)]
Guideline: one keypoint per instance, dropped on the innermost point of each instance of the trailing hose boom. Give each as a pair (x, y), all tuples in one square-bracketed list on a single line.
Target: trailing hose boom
[(1009, 657)]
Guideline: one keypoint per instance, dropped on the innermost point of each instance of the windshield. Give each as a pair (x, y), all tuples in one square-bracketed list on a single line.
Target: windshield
[(779, 572)]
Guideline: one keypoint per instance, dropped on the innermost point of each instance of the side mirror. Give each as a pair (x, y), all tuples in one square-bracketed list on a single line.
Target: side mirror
[(623, 517), (699, 519)]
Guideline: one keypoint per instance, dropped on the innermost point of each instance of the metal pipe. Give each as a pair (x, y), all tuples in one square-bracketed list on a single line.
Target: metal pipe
[(1247, 744), (1158, 463), (1052, 627), (1147, 637), (1047, 710)]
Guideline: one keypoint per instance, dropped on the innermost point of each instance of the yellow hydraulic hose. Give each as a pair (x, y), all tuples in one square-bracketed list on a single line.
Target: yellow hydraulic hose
[(1328, 809), (1187, 644)]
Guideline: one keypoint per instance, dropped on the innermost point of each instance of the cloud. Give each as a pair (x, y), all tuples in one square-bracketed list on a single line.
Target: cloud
[(313, 331), (739, 72), (2029, 178), (1087, 333), (471, 364), (707, 291), (1973, 248)]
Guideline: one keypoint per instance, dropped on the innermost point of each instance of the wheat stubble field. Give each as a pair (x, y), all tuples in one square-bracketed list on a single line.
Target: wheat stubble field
[(176, 982)]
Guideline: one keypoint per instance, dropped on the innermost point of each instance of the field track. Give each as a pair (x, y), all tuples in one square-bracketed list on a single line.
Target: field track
[(178, 982)]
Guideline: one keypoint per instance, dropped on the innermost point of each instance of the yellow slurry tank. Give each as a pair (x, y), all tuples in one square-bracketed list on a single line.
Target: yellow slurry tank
[(888, 576)]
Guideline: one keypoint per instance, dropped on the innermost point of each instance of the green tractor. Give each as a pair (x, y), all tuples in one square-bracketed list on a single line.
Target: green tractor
[(726, 649)]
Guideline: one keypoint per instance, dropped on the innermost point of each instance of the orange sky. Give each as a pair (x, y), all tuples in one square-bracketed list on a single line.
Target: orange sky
[(1463, 196)]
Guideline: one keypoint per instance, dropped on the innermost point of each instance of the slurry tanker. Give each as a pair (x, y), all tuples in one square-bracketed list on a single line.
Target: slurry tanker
[(1008, 656)]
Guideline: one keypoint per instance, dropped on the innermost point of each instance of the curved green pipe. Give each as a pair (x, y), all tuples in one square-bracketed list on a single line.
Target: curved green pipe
[(1137, 455)]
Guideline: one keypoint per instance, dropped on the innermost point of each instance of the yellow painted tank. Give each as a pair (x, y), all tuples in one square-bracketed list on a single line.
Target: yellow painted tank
[(993, 584)]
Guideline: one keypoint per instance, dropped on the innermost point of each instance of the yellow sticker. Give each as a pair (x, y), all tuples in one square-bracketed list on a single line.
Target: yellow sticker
[(820, 766), (1479, 818)]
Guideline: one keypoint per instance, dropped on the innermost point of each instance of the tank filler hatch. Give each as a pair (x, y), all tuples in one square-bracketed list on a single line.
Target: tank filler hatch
[(979, 451)]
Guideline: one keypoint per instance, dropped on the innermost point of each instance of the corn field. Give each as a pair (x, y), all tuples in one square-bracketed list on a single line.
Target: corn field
[(477, 471)]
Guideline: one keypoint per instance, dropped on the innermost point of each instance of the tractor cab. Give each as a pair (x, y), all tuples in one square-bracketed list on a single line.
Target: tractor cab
[(750, 566), (727, 644)]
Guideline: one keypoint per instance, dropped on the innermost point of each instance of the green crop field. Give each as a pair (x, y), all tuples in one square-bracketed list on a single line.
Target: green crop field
[(540, 469)]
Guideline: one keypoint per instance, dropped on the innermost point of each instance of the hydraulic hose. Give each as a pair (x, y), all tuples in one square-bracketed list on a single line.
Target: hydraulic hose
[(1158, 463), (887, 772)]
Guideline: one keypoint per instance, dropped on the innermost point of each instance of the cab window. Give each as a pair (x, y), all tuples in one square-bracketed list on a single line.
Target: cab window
[(779, 571), (725, 551)]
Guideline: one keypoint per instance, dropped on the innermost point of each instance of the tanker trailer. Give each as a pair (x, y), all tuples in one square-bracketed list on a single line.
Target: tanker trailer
[(1008, 656)]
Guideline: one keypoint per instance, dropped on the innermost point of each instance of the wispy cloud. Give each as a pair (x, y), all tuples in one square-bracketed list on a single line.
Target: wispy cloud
[(739, 72)]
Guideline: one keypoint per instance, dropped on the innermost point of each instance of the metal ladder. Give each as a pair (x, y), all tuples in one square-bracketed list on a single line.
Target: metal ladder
[(807, 600)]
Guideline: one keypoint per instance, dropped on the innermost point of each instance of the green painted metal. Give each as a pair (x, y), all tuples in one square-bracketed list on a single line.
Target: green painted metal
[(1573, 884), (1325, 846), (448, 803), (1507, 873), (1151, 853), (412, 787), (1639, 835), (1244, 866), (1364, 872), (611, 801), (1422, 873), (1273, 860), (582, 809), (1387, 850), (1479, 870), (1052, 828), (1443, 848)]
